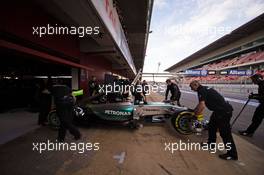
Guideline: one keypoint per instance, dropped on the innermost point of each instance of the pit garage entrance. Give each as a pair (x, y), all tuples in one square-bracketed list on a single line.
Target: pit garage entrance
[(20, 77)]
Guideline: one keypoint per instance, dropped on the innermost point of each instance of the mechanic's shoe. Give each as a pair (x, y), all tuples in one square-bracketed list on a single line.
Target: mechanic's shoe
[(209, 144), (245, 133), (227, 157)]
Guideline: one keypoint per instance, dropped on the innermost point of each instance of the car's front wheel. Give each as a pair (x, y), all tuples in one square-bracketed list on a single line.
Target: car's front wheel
[(183, 122)]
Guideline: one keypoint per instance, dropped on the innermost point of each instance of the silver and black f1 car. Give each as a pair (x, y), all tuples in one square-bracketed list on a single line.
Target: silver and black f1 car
[(126, 112)]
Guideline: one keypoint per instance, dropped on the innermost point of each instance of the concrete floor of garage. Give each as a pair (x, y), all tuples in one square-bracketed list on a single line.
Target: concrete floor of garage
[(143, 151), (16, 123)]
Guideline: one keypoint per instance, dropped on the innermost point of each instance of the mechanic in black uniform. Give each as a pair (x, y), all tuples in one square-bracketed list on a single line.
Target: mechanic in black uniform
[(145, 88), (259, 113), (174, 90), (65, 101), (45, 100), (138, 93), (220, 118), (93, 86)]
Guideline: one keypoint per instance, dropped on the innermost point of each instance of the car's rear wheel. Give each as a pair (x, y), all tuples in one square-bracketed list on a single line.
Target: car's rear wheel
[(53, 120), (183, 122)]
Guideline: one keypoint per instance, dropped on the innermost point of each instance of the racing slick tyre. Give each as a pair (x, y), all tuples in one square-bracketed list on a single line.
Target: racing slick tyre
[(53, 120), (183, 122)]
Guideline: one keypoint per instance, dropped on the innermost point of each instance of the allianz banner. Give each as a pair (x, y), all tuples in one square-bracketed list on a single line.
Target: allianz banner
[(240, 72), (196, 72)]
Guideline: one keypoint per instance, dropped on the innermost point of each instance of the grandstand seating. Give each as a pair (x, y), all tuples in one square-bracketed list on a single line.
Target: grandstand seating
[(260, 72), (215, 79), (249, 58)]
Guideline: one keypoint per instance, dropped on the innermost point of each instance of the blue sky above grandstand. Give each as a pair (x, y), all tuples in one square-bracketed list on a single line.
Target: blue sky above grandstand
[(181, 27)]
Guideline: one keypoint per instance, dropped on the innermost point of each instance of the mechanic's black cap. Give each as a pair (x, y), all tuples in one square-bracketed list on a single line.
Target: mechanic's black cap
[(168, 80)]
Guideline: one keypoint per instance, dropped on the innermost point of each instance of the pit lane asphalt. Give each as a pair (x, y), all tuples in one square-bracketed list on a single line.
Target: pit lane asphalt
[(142, 150)]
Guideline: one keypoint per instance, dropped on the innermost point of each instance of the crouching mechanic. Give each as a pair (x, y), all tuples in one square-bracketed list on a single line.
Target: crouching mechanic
[(174, 90), (259, 113), (220, 118)]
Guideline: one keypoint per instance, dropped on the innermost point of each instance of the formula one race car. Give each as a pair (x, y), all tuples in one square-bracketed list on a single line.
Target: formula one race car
[(126, 112)]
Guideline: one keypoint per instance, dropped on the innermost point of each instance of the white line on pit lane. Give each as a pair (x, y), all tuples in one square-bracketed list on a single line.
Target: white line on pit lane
[(120, 157), (228, 99)]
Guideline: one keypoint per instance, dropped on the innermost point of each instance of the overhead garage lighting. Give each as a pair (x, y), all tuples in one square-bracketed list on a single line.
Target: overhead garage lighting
[(61, 76), (43, 77), (7, 78)]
